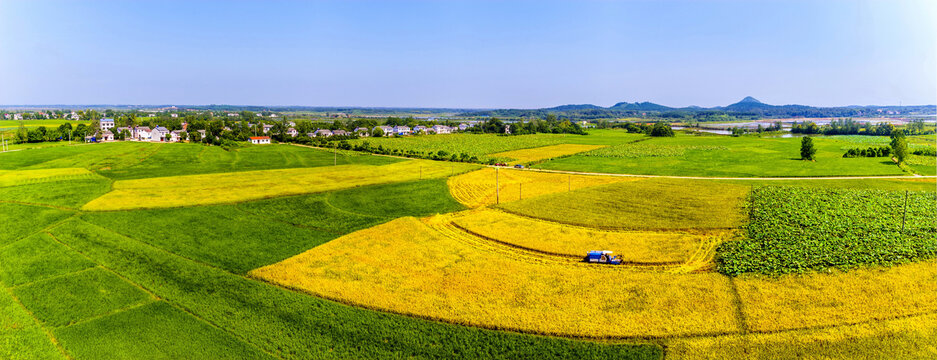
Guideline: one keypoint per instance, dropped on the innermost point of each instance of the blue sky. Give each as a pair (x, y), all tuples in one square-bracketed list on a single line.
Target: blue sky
[(478, 54)]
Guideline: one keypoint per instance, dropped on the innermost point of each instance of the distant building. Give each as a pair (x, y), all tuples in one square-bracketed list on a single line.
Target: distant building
[(260, 140), (159, 134), (292, 132), (142, 133), (362, 131), (419, 129), (339, 132), (267, 128), (323, 132), (402, 130), (387, 130), (175, 135), (174, 115), (107, 135), (107, 124), (441, 129)]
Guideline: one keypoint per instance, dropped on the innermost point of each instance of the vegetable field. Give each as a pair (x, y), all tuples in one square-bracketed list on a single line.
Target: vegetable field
[(799, 229)]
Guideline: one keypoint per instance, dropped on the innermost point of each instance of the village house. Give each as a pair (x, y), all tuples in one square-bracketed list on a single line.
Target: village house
[(267, 128), (273, 115), (107, 135), (292, 132), (312, 134), (387, 130), (233, 114), (107, 124), (339, 132), (259, 140), (324, 132), (419, 129), (463, 126), (159, 134), (17, 116), (291, 124), (142, 133), (174, 115), (441, 129), (402, 130), (175, 135), (362, 131), (121, 130)]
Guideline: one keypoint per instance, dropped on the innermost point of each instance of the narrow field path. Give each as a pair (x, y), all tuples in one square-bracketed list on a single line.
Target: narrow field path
[(728, 178)]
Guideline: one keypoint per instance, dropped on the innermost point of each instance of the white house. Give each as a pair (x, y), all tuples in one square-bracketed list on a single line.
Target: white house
[(388, 131), (259, 140), (107, 124), (174, 115), (323, 132), (463, 126), (402, 130), (159, 134), (419, 129), (107, 135), (267, 128), (362, 131), (339, 132), (441, 129), (17, 116), (233, 114), (292, 132), (142, 133), (175, 135)]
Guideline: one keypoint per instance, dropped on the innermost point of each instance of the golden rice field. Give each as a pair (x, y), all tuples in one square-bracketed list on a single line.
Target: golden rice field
[(430, 269), (406, 266), (648, 204), (574, 241), (18, 177), (250, 185), (490, 186), (525, 156), (836, 298), (903, 338)]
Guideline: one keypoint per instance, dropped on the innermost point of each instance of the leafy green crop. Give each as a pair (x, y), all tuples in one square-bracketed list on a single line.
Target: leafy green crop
[(800, 229)]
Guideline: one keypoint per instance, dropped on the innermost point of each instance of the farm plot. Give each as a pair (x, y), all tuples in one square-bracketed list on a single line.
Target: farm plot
[(407, 266), (21, 335), (526, 156), (572, 241), (905, 338), (70, 194), (837, 298), (801, 229), (252, 185), (287, 324), (480, 145), (490, 186), (21, 177), (649, 204), (12, 224)]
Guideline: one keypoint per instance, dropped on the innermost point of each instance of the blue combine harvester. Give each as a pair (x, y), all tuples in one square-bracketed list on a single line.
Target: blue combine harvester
[(602, 257)]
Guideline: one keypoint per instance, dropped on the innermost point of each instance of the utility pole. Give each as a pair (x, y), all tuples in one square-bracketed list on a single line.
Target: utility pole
[(497, 186), (334, 157), (520, 191), (905, 212)]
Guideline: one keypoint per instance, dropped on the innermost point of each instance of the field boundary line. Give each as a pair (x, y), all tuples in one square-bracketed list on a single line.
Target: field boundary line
[(104, 267), (40, 231), (37, 205), (109, 313), (52, 338), (858, 177), (158, 298), (96, 265), (616, 229), (567, 256), (739, 307)]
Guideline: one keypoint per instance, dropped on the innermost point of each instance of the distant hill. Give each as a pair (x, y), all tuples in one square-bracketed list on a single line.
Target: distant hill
[(747, 108), (640, 106)]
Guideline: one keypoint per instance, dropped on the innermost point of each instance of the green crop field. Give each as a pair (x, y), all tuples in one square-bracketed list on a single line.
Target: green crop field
[(207, 274), (797, 229)]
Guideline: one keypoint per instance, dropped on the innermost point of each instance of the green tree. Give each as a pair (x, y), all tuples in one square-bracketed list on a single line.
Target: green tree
[(22, 135), (661, 129), (807, 151), (899, 145)]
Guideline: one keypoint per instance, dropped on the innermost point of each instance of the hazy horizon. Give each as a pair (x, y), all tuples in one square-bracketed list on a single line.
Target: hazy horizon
[(468, 55)]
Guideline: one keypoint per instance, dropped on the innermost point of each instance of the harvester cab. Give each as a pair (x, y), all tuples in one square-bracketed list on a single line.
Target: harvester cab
[(602, 257)]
